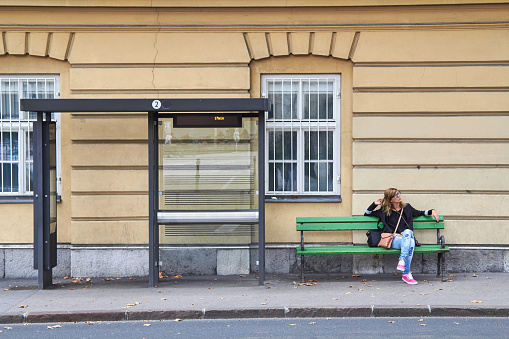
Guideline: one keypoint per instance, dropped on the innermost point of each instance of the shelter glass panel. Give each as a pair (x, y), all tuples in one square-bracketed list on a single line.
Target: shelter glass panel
[(208, 169)]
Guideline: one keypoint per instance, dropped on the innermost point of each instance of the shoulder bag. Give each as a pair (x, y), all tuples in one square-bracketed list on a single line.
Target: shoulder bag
[(386, 238)]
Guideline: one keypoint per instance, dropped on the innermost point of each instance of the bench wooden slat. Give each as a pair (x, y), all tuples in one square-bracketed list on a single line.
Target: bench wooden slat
[(355, 219), (348, 249), (361, 226)]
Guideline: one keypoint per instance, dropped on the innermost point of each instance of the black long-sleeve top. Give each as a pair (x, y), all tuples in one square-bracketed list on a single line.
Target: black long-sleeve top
[(389, 222)]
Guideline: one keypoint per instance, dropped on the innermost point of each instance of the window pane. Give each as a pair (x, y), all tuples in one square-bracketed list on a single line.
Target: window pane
[(41, 89), (310, 176), (29, 154), (318, 176), (284, 146), (320, 146), (318, 99), (10, 146), (283, 177), (29, 177), (10, 100), (283, 95), (330, 176), (10, 177)]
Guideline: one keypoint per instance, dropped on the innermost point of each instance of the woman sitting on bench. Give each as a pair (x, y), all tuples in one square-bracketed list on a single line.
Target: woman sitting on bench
[(404, 239)]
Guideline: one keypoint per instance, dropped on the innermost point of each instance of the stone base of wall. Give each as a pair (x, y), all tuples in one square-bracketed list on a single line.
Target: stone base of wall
[(16, 261)]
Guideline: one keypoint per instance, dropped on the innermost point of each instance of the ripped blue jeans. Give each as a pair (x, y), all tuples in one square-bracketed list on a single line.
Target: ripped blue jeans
[(407, 244)]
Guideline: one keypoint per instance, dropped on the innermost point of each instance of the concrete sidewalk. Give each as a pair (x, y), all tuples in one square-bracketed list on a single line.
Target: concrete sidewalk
[(210, 297)]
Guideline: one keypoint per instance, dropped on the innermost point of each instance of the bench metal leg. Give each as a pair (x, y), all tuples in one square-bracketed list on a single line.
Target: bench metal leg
[(301, 268), (441, 266)]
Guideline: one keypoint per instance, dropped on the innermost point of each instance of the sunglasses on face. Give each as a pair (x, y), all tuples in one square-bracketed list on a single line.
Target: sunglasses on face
[(397, 195)]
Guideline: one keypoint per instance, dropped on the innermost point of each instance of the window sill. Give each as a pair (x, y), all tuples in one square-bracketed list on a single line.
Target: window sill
[(302, 198), (21, 199)]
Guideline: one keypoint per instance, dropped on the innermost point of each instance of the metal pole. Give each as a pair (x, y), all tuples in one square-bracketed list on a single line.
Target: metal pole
[(41, 201), (153, 184), (261, 196)]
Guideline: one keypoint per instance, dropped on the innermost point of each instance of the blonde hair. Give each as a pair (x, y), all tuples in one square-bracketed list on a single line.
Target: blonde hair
[(386, 202)]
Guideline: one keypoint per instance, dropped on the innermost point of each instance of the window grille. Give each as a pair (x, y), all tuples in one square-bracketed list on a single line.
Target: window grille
[(302, 131), (16, 158)]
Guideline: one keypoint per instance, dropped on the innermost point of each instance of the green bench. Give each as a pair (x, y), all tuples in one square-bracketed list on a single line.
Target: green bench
[(305, 224)]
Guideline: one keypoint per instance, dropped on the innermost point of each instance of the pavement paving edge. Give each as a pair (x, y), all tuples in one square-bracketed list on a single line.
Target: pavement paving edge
[(286, 312)]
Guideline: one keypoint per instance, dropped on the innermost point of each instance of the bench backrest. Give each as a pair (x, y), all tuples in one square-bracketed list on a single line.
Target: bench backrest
[(358, 223)]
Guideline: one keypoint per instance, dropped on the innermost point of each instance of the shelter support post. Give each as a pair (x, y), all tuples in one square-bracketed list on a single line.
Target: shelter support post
[(261, 196), (153, 183), (44, 241)]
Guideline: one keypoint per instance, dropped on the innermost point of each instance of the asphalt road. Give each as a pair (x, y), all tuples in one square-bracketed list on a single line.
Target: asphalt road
[(270, 328)]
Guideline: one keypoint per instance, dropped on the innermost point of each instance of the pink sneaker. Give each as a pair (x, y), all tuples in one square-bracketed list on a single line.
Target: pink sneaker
[(401, 265), (409, 279)]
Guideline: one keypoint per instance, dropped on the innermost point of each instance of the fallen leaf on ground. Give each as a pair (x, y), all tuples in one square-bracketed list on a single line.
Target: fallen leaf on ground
[(474, 275), (424, 293), (23, 306), (7, 289), (421, 319), (312, 323), (424, 325), (107, 279), (392, 321), (132, 278), (164, 299), (293, 324), (476, 302), (264, 303), (53, 327), (178, 319), (242, 276), (356, 275), (147, 324)]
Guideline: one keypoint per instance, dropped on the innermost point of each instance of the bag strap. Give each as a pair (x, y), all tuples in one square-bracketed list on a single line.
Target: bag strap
[(400, 215)]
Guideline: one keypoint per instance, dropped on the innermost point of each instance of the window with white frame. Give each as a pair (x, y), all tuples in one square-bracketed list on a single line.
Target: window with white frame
[(16, 158), (302, 134)]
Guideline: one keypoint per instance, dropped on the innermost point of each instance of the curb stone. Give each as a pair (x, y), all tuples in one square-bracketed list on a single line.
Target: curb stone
[(286, 312)]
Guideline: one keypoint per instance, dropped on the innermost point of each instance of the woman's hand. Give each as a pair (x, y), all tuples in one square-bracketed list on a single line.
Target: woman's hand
[(435, 215), (378, 202)]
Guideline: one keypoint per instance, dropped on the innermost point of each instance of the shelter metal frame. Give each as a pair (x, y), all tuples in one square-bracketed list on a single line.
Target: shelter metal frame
[(155, 108)]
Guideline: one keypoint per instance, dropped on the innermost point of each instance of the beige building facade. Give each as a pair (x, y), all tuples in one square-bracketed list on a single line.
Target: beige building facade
[(418, 93)]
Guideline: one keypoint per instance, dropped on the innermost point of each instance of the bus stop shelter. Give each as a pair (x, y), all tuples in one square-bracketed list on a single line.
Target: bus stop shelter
[(205, 113)]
